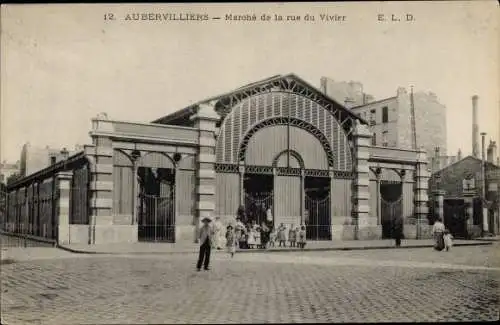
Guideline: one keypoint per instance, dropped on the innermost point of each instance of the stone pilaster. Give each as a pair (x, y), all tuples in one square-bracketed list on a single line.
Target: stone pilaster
[(101, 185), (63, 186), (469, 211), (439, 197), (365, 225), (421, 197), (241, 170), (205, 120)]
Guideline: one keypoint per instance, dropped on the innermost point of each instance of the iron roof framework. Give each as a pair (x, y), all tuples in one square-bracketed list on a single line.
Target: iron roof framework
[(224, 103)]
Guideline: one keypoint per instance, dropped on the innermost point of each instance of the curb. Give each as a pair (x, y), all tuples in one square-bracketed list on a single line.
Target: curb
[(247, 251), (29, 238)]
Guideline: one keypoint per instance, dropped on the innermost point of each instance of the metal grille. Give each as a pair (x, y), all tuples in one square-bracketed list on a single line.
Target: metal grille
[(156, 218), (292, 122), (318, 221), (79, 206), (259, 107), (256, 205), (390, 210)]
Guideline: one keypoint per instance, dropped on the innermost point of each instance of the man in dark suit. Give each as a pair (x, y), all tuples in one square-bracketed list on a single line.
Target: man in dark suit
[(398, 230), (205, 238)]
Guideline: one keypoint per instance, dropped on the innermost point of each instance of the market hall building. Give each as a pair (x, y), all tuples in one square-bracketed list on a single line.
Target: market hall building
[(279, 143)]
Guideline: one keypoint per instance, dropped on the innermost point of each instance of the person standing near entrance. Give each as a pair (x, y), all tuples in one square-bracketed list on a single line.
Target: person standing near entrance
[(206, 237), (219, 236), (398, 230), (438, 232)]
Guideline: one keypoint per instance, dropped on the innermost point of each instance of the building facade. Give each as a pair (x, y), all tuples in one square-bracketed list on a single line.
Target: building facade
[(8, 169), (457, 197), (390, 118), (35, 158), (279, 143)]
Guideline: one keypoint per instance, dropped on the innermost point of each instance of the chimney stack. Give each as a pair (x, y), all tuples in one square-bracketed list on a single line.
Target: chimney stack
[(459, 155), (491, 152), (437, 158), (475, 128)]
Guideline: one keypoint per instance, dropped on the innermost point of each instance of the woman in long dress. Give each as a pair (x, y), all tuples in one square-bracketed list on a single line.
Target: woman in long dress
[(438, 232), (219, 235)]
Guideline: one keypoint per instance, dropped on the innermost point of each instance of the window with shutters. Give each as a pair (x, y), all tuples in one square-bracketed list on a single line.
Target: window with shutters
[(385, 114)]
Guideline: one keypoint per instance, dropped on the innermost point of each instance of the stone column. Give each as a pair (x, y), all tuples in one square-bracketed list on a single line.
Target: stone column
[(63, 186), (205, 120), (421, 197), (365, 225), (242, 183), (493, 197), (439, 197), (303, 196), (378, 174), (469, 204)]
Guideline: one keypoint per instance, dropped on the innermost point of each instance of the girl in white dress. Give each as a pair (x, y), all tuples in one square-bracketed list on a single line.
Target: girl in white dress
[(251, 237)]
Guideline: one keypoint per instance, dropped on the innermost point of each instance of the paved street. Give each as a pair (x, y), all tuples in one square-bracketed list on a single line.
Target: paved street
[(361, 286)]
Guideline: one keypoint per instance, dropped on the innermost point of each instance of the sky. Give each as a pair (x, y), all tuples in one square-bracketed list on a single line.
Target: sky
[(61, 65)]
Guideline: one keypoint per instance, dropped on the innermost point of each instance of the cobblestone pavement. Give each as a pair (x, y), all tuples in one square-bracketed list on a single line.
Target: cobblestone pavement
[(251, 288), (487, 256)]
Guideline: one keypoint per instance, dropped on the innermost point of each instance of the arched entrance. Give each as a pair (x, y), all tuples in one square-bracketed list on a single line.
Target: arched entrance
[(391, 200), (156, 198), (277, 176), (280, 146)]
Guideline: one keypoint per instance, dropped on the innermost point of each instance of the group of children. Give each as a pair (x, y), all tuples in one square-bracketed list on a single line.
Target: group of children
[(296, 236), (255, 236)]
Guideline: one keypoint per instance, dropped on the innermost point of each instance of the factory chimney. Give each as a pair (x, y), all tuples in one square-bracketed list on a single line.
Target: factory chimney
[(491, 152), (437, 157), (475, 128)]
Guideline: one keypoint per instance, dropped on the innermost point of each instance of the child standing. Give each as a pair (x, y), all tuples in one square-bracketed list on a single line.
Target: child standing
[(282, 235), (230, 240), (258, 237), (272, 238), (448, 240), (292, 236), (250, 237), (302, 237)]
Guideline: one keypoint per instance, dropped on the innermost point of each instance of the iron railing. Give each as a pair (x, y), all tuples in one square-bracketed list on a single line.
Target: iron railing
[(156, 218), (318, 221), (256, 205)]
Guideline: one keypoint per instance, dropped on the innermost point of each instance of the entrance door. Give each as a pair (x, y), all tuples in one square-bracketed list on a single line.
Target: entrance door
[(156, 215), (258, 196), (391, 206), (317, 206), (454, 217), (287, 201)]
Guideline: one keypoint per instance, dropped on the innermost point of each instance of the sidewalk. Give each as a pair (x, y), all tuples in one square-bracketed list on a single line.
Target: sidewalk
[(490, 239), (186, 248)]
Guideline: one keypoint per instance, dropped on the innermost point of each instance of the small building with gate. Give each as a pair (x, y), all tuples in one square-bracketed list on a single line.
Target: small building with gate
[(278, 144), (457, 196)]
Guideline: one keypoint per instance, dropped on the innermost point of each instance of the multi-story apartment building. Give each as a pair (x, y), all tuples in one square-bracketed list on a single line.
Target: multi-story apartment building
[(34, 159), (390, 118)]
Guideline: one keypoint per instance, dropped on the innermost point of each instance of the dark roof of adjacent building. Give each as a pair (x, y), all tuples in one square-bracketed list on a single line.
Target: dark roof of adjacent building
[(182, 117), (488, 165)]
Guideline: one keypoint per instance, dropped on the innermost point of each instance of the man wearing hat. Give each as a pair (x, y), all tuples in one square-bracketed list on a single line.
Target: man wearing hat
[(206, 237)]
